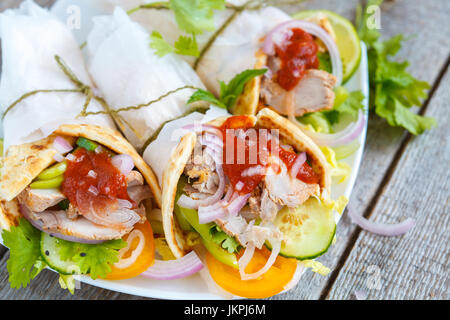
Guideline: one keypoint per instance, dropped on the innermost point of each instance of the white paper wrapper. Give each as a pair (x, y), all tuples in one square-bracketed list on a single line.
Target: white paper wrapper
[(128, 73), (31, 37), (232, 52), (158, 153)]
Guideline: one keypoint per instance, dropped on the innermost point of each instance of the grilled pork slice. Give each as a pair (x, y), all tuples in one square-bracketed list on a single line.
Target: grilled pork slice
[(40, 199), (313, 93), (201, 168)]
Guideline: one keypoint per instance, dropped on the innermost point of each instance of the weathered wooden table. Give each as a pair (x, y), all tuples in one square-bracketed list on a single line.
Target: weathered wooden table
[(401, 176)]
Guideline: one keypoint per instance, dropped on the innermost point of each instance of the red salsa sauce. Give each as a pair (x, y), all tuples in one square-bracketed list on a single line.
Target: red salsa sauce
[(298, 55), (110, 183), (244, 141)]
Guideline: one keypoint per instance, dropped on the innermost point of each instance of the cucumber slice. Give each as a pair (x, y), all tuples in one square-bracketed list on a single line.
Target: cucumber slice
[(309, 230), (50, 253)]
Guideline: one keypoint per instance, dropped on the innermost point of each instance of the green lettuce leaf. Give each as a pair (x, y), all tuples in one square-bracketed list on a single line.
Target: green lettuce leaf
[(346, 104), (185, 45), (24, 262)]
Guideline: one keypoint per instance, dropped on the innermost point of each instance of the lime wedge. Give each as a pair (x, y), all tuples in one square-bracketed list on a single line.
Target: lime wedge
[(347, 39)]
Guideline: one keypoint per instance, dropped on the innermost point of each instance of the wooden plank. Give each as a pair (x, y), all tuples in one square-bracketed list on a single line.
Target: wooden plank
[(416, 265), (422, 20)]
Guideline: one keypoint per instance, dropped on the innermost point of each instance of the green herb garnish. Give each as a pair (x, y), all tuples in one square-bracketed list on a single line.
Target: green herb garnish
[(393, 90)]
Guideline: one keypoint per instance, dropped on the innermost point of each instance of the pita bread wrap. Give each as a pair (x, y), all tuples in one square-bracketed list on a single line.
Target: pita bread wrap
[(181, 156)]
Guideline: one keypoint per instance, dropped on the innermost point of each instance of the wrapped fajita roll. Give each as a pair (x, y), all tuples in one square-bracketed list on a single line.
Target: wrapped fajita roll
[(130, 74), (234, 186)]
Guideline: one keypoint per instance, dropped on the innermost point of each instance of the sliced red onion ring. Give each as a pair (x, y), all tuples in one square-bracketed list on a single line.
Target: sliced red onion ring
[(39, 224), (123, 162), (388, 230), (124, 204), (299, 161), (62, 145), (278, 34), (350, 133), (174, 269), (58, 157)]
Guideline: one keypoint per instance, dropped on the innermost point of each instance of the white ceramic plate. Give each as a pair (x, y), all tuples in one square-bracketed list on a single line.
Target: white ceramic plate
[(194, 287)]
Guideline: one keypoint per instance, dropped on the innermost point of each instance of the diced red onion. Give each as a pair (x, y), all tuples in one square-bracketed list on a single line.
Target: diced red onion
[(127, 262), (92, 174), (174, 269), (237, 204), (278, 34), (71, 157), (123, 162), (39, 224), (93, 190), (62, 145), (350, 133), (388, 230), (58, 157), (299, 161)]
